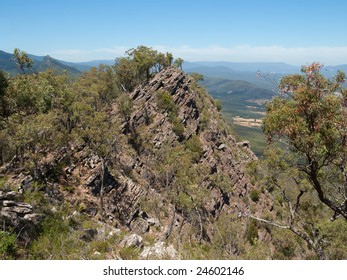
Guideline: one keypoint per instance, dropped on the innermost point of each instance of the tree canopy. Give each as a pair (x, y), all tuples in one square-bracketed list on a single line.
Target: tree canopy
[(22, 59), (310, 117), (139, 65)]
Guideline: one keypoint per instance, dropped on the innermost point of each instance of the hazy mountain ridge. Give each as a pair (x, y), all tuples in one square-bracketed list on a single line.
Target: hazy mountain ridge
[(40, 63), (232, 87), (273, 67), (223, 69)]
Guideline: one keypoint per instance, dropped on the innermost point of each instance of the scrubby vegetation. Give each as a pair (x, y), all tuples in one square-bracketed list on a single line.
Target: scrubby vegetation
[(54, 129)]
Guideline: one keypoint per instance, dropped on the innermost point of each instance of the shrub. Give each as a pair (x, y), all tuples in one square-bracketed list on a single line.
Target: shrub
[(166, 102), (194, 145), (218, 104), (252, 232), (69, 189), (129, 253), (254, 194), (8, 245), (197, 77), (204, 120), (221, 181), (178, 128), (125, 106), (56, 239)]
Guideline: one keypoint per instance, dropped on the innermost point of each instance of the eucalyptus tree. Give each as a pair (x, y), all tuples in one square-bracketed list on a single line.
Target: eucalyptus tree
[(311, 118)]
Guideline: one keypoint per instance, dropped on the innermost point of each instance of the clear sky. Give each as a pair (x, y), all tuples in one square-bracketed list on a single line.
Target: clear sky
[(291, 31)]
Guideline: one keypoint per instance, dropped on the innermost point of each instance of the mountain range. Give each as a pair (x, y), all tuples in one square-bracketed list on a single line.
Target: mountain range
[(222, 69), (40, 63), (90, 170), (242, 87)]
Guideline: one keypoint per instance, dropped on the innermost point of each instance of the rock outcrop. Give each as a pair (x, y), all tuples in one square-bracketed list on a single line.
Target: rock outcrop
[(176, 169), (18, 217), (159, 251)]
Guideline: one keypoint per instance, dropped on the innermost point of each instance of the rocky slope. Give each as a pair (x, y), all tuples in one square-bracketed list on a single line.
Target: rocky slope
[(175, 172)]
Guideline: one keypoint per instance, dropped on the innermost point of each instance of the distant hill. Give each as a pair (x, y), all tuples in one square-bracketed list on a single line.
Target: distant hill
[(41, 63), (246, 71), (271, 67), (330, 71), (224, 72), (85, 66), (245, 89), (51, 63), (6, 64), (96, 62), (241, 99)]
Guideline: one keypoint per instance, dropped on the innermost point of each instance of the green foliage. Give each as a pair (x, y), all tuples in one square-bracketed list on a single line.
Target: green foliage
[(286, 245), (35, 196), (312, 120), (178, 62), (68, 188), (218, 104), (204, 120), (147, 61), (229, 242), (31, 94), (56, 240), (22, 60), (3, 181), (178, 127), (126, 71), (197, 251), (43, 113), (125, 106), (99, 85), (252, 232), (8, 245), (336, 248), (197, 77), (166, 102), (222, 181), (194, 145), (254, 195), (129, 253), (3, 101)]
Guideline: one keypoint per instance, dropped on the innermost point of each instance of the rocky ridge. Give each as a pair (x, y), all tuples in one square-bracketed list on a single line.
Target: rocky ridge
[(176, 169)]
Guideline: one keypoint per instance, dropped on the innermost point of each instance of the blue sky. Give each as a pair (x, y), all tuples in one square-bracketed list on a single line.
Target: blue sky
[(295, 31)]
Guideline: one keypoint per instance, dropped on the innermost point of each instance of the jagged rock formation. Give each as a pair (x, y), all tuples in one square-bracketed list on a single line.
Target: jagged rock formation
[(221, 153), (18, 216), (176, 168)]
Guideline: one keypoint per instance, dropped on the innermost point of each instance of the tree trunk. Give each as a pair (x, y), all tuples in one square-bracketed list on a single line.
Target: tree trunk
[(102, 190), (169, 228)]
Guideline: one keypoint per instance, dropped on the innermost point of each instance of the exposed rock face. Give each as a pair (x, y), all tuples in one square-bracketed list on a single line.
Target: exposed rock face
[(18, 216), (137, 178), (221, 153), (159, 251), (178, 85), (132, 240), (142, 192)]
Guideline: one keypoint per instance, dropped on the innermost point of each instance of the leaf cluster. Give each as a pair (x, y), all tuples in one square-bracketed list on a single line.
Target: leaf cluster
[(310, 118)]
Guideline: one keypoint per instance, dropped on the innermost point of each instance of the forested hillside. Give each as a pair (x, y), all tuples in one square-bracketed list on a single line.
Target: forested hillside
[(136, 160), (39, 64)]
